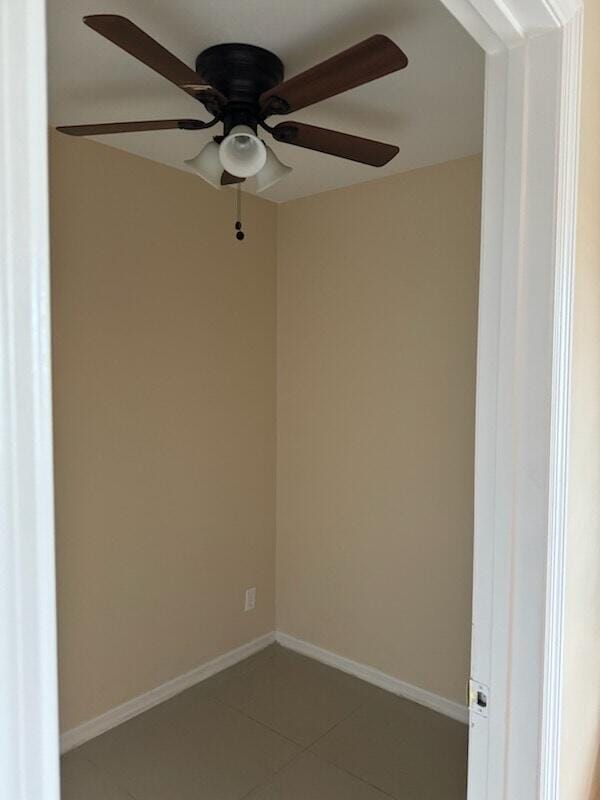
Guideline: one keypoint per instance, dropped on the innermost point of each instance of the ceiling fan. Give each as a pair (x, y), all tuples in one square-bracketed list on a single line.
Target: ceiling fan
[(242, 85)]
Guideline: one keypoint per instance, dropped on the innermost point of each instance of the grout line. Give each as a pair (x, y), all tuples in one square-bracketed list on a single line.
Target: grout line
[(337, 724), (273, 774), (354, 775), (257, 721), (110, 777), (304, 749)]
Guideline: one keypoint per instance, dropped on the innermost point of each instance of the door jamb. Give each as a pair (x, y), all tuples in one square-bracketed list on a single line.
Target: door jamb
[(28, 675), (531, 135)]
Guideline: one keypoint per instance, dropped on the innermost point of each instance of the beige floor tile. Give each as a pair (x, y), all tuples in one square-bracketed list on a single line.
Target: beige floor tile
[(81, 780), (299, 698), (200, 749), (309, 778), (402, 748), (231, 737)]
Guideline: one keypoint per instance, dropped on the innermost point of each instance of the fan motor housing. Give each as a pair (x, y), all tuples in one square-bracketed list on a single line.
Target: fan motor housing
[(242, 72)]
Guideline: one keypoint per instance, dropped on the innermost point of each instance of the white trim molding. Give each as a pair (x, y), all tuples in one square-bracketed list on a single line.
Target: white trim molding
[(566, 208), (143, 702), (523, 387), (28, 697), (375, 677)]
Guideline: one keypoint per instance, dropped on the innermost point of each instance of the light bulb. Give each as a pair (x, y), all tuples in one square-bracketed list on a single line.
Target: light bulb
[(242, 153)]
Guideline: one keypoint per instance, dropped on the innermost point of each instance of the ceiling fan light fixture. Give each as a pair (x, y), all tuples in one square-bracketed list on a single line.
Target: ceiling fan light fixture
[(274, 170), (242, 153), (207, 164), (251, 88)]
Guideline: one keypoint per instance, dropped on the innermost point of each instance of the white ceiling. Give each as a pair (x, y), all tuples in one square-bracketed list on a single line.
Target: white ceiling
[(433, 109)]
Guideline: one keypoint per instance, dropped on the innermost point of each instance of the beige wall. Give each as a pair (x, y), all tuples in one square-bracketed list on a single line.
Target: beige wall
[(164, 376), (165, 428), (377, 299), (581, 743)]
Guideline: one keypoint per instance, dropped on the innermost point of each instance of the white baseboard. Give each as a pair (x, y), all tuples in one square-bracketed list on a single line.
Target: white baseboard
[(376, 677), (115, 716)]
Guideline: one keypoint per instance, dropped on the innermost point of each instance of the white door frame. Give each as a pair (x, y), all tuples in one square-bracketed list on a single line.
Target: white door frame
[(533, 50), (533, 55), (28, 694)]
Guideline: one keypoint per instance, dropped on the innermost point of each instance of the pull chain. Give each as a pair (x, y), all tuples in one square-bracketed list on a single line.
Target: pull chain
[(238, 215)]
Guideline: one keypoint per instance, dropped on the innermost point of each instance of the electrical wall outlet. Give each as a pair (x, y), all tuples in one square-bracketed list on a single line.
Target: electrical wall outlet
[(250, 601)]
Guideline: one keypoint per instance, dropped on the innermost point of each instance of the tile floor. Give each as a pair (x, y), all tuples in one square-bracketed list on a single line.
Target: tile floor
[(276, 726)]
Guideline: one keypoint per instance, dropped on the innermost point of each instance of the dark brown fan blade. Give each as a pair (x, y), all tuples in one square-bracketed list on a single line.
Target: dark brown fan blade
[(344, 145), (122, 32), (370, 59), (130, 127), (229, 180)]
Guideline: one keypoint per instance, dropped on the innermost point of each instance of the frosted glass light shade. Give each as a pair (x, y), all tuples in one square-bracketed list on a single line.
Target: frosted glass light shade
[(207, 164), (272, 171), (242, 153)]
